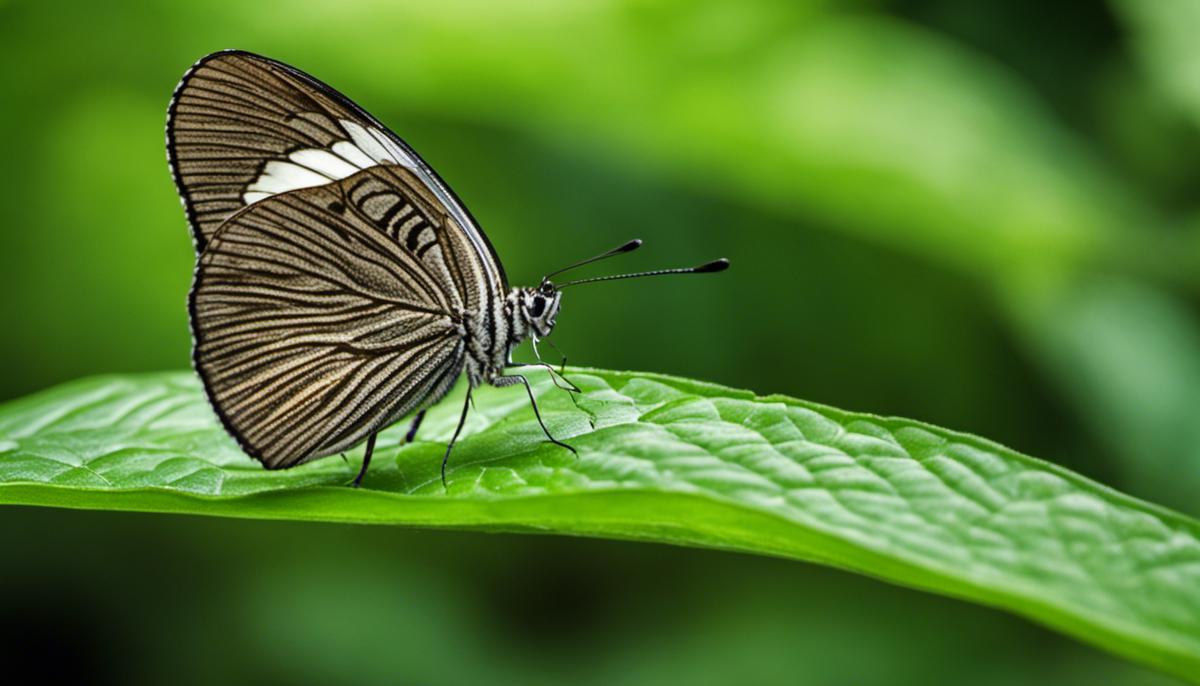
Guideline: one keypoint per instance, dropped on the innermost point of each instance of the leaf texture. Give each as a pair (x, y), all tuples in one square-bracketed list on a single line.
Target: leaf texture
[(668, 460)]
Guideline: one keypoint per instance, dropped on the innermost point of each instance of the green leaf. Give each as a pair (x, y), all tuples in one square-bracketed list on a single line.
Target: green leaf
[(669, 460)]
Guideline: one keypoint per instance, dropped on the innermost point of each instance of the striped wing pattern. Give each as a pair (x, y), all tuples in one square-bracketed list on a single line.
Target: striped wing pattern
[(232, 115), (340, 283), (242, 127), (323, 314)]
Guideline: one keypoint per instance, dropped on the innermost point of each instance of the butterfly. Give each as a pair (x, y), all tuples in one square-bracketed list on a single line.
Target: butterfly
[(340, 284)]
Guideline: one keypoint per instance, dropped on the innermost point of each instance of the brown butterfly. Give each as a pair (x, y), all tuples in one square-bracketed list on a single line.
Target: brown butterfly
[(340, 284)]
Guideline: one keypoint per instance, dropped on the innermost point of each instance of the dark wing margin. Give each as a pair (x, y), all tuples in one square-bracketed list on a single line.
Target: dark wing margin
[(240, 123), (314, 328)]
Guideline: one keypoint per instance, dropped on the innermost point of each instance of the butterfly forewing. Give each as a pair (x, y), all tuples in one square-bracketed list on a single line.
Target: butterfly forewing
[(323, 314), (242, 128)]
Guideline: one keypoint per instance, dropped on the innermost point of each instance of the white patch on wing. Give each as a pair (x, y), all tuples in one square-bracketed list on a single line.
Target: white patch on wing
[(349, 152), (280, 177), (324, 162), (367, 143), (366, 148)]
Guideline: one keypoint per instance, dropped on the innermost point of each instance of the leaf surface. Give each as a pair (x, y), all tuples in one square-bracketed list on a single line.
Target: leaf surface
[(668, 460)]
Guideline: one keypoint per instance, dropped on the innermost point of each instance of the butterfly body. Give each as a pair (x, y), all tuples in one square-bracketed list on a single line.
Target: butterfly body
[(340, 285)]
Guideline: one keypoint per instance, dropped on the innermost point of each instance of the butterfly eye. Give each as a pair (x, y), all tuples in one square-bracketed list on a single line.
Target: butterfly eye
[(538, 306), (547, 289)]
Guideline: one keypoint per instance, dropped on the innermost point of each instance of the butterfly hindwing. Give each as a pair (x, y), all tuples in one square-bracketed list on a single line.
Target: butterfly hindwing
[(322, 314)]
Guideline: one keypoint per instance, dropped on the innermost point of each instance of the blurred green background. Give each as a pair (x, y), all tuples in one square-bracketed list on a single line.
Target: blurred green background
[(983, 215)]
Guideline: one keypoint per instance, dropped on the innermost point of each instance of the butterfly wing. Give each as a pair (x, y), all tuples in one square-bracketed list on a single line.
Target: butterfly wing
[(323, 314), (242, 128)]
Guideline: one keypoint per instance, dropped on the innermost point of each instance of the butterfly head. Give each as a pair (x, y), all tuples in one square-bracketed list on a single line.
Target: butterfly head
[(539, 308)]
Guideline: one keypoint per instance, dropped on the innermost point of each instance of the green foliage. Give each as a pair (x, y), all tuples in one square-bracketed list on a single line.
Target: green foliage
[(669, 460), (959, 214)]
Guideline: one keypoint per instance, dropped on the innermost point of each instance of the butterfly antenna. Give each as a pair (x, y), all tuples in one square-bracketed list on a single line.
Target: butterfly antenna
[(627, 247), (706, 268)]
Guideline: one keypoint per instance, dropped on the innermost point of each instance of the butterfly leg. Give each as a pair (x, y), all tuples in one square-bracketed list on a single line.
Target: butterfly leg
[(562, 371), (572, 388), (366, 460), (512, 380), (562, 365), (457, 430), (412, 428)]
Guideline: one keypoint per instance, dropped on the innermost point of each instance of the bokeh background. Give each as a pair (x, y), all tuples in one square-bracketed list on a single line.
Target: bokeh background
[(984, 215)]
